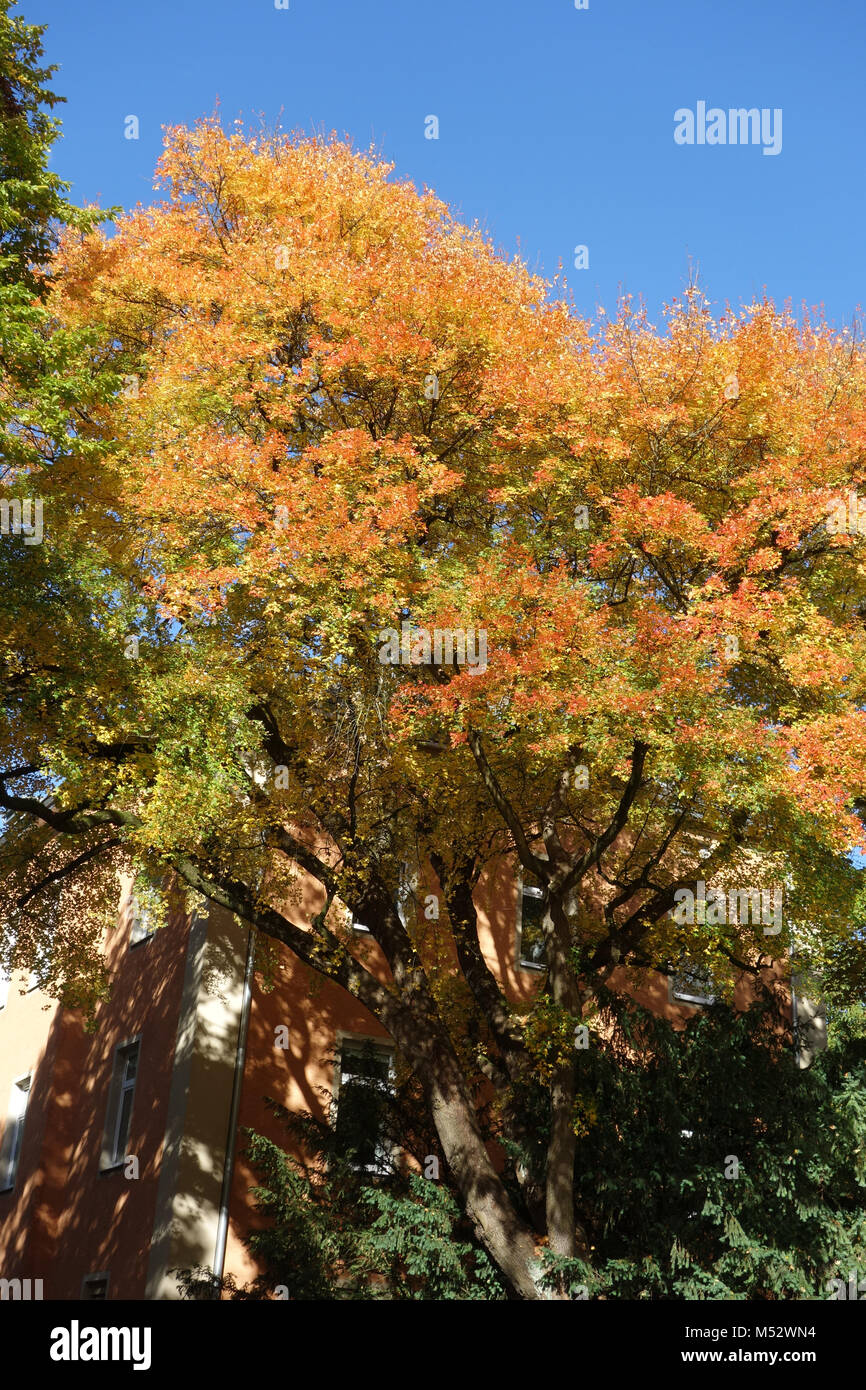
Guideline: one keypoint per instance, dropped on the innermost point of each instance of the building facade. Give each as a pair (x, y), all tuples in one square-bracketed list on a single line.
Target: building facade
[(121, 1159)]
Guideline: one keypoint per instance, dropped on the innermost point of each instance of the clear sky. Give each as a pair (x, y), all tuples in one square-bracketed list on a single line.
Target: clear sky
[(556, 125)]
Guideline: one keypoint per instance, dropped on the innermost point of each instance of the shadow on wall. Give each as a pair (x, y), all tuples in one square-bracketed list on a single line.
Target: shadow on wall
[(67, 1218)]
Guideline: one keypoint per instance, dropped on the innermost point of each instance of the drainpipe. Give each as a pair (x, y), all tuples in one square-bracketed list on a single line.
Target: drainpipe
[(231, 1139), (794, 1020)]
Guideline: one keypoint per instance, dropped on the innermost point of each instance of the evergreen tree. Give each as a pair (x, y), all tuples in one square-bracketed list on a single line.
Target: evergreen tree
[(709, 1167), (61, 595), (33, 200)]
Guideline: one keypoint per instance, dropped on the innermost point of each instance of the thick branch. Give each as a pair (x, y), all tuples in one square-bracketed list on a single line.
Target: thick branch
[(607, 837), (530, 861)]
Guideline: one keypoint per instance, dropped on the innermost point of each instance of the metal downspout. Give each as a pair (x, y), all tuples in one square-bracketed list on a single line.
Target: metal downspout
[(794, 1020), (231, 1138)]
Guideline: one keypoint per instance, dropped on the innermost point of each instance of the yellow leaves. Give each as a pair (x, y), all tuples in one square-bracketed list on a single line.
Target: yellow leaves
[(549, 1034), (585, 1114), (287, 487)]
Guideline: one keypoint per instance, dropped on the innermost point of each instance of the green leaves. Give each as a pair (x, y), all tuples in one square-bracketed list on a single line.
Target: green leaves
[(32, 198), (338, 1236), (666, 1221), (413, 1242)]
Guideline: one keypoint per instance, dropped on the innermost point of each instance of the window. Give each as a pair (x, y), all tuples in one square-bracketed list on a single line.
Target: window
[(530, 928), (364, 1091), (692, 984), (142, 922), (13, 1135), (120, 1104), (94, 1288)]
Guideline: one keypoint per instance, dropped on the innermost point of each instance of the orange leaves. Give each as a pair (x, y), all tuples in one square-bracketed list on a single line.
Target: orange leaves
[(351, 413), (650, 522)]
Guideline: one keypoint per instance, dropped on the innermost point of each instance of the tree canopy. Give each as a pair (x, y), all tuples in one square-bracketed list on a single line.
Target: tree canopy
[(308, 408)]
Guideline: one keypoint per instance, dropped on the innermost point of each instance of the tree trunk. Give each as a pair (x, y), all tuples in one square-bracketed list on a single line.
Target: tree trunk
[(509, 1242), (561, 1226), (560, 1162)]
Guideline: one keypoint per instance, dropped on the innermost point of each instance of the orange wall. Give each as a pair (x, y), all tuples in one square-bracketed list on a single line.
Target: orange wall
[(64, 1219), (315, 1011)]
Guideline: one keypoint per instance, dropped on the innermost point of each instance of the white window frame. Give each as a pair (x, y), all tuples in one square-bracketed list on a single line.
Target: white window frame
[(686, 995), (13, 1131), (359, 1041), (406, 882), (526, 890), (121, 1086), (142, 927), (90, 1279)]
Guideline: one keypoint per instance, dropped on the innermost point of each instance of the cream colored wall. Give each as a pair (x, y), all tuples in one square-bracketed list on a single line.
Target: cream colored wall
[(194, 1150)]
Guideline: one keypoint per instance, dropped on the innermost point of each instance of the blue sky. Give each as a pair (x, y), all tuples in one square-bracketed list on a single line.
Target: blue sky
[(555, 125)]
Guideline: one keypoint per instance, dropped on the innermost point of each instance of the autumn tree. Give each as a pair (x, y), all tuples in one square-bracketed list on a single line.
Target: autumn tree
[(339, 411)]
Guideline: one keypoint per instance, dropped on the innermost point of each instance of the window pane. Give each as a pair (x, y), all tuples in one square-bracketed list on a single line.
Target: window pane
[(362, 1106), (123, 1120), (17, 1136), (123, 1092), (143, 925), (693, 984), (532, 929), (375, 1065), (14, 1135), (360, 1124)]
